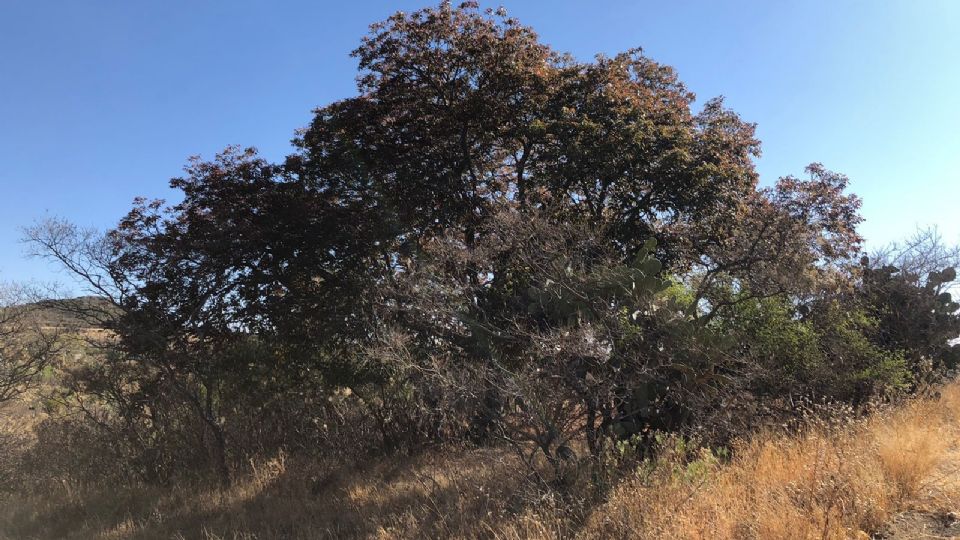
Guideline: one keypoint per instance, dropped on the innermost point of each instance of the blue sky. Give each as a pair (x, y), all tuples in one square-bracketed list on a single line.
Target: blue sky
[(103, 101)]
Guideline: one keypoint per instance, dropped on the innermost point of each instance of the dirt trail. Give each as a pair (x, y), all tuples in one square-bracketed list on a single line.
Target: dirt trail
[(923, 525)]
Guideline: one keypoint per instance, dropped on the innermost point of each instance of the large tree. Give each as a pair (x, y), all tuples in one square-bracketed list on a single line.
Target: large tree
[(463, 119)]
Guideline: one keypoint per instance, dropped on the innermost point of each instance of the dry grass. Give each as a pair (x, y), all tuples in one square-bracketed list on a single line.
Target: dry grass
[(430, 495), (826, 483)]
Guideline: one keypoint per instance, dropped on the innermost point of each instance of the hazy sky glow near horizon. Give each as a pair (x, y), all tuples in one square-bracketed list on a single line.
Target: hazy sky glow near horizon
[(102, 101)]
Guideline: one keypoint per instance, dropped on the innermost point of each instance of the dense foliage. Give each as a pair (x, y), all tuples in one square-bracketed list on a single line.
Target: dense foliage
[(491, 243)]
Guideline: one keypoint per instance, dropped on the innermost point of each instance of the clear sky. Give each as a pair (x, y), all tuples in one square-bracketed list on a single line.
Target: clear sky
[(102, 101)]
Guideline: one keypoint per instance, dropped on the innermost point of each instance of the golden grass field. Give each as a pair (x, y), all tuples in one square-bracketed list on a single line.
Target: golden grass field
[(891, 475)]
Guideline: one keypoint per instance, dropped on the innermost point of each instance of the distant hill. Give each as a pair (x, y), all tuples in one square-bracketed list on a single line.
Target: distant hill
[(79, 312)]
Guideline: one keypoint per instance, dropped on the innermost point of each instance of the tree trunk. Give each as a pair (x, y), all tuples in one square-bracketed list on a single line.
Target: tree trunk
[(591, 429), (218, 447)]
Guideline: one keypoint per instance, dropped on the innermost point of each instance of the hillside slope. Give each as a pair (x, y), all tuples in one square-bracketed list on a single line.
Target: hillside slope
[(891, 475)]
